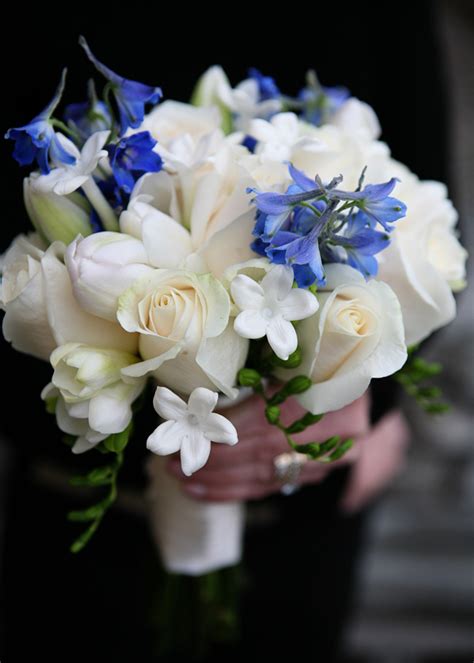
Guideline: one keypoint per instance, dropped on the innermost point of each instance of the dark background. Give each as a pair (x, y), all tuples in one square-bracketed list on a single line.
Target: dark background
[(392, 61)]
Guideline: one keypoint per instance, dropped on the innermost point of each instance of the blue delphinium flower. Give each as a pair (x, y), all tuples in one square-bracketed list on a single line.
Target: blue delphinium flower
[(376, 203), (267, 87), (131, 96), (312, 224), (38, 141), (319, 102), (133, 156), (89, 116)]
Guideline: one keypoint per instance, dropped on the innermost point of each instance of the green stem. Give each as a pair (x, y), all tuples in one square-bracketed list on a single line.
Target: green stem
[(100, 204), (67, 130)]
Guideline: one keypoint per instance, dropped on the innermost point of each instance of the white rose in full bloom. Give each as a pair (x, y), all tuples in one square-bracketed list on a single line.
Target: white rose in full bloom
[(356, 335), (94, 401), (186, 134), (357, 118), (185, 336), (41, 311), (326, 151), (205, 212), (102, 266), (425, 261)]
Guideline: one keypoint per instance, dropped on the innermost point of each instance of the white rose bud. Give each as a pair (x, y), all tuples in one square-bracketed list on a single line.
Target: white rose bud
[(185, 336), (41, 311), (56, 217), (102, 266), (356, 335)]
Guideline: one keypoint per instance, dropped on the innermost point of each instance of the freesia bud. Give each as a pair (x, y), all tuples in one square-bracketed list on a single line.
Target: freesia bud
[(102, 266), (56, 218)]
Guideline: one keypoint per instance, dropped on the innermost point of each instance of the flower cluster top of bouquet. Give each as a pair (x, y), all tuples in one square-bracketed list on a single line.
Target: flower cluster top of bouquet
[(210, 245)]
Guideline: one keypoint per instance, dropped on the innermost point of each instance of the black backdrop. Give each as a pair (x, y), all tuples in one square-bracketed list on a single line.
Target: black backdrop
[(390, 61)]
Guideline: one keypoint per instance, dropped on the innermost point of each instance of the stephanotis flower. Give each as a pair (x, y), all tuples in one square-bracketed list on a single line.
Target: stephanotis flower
[(131, 96), (133, 156), (190, 427), (38, 141), (66, 178), (268, 307)]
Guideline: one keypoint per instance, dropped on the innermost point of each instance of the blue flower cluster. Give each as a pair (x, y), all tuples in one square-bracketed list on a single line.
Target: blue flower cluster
[(312, 224), (130, 156)]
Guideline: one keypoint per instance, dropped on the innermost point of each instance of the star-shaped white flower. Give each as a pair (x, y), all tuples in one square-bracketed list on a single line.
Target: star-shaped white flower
[(64, 179), (268, 307), (190, 427)]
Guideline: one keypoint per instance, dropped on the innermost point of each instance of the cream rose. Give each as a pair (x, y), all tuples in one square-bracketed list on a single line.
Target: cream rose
[(425, 260), (185, 337), (356, 335), (40, 309)]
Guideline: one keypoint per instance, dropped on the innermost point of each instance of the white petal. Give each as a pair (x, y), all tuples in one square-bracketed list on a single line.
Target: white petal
[(251, 324), (219, 429), (195, 450), (168, 405), (108, 414), (335, 393), (282, 337), (166, 439), (222, 357), (167, 242), (69, 424), (247, 293), (81, 445), (299, 304), (202, 401), (279, 281)]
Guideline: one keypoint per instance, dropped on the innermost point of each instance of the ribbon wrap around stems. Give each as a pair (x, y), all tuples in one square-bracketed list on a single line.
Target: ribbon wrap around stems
[(193, 537)]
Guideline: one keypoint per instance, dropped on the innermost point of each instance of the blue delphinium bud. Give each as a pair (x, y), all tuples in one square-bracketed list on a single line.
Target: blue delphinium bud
[(131, 96)]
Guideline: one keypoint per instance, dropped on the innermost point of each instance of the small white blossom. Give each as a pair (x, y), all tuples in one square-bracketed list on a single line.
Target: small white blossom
[(190, 427), (268, 307)]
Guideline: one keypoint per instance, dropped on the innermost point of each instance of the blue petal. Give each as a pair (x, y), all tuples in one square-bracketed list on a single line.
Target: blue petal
[(58, 153), (304, 182)]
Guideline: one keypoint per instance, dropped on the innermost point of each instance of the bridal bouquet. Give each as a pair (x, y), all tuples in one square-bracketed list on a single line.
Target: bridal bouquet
[(246, 242)]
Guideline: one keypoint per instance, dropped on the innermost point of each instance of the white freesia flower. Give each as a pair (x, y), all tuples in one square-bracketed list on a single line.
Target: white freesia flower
[(356, 335), (102, 266), (41, 311), (357, 118), (95, 400), (268, 307), (190, 427), (425, 260), (65, 178), (185, 337)]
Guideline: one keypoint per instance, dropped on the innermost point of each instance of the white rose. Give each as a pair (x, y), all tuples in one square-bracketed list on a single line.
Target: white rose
[(95, 401), (425, 260), (357, 118), (204, 211), (185, 336), (356, 335), (102, 266), (40, 309)]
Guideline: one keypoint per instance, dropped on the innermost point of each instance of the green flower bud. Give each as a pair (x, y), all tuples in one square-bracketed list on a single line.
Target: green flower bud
[(272, 413), (56, 217), (248, 377)]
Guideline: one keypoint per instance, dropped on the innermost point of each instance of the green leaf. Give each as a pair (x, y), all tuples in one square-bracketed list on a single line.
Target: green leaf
[(118, 441), (50, 404), (301, 424), (100, 476), (248, 377), (91, 513), (272, 413), (293, 361)]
